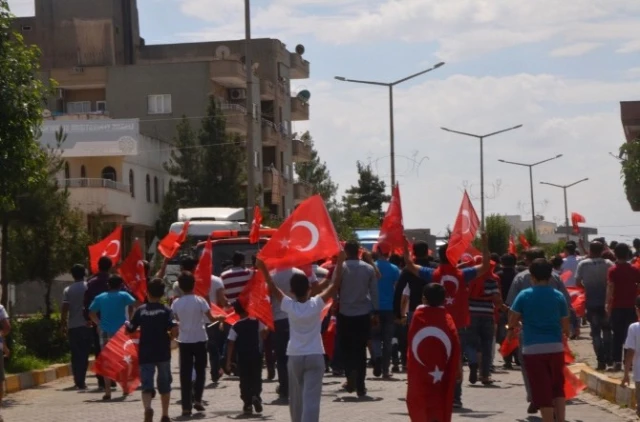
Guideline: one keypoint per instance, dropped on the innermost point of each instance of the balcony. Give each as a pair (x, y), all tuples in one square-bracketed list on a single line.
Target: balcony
[(272, 181), (299, 109), (299, 68), (267, 90), (270, 134), (94, 115), (301, 191), (95, 196), (301, 151), (228, 73), (236, 117), (80, 77)]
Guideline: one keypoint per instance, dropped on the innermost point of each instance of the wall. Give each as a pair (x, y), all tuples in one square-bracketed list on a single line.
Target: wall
[(129, 86), (29, 296)]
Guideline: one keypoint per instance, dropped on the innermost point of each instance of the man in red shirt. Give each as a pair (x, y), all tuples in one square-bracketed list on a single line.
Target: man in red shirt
[(622, 288)]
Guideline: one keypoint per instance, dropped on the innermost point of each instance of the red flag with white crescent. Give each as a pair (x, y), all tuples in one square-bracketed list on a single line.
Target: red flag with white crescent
[(203, 271), (512, 246), (254, 234), (133, 274), (118, 360), (255, 299), (170, 244), (392, 229), (110, 246), (524, 242), (464, 230), (575, 220)]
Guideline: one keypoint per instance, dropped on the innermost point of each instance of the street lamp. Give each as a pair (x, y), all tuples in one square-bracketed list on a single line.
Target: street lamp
[(390, 85), (531, 166), (566, 208), (251, 182), (481, 138)]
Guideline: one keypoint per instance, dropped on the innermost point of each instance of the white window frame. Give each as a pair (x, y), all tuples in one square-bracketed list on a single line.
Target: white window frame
[(84, 107), (159, 104)]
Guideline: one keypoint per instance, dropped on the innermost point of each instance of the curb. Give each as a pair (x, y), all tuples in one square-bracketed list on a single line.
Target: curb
[(605, 387), (25, 380)]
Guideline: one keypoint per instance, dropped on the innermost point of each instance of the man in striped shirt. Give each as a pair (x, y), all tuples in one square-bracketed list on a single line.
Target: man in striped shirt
[(235, 278)]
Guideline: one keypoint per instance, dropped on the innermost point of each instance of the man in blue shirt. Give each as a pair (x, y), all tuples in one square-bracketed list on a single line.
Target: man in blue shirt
[(382, 335)]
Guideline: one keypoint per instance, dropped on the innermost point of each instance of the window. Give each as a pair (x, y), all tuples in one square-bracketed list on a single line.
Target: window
[(26, 28), (148, 187), (155, 190), (78, 107), (159, 104), (131, 184), (101, 106), (83, 175), (109, 173)]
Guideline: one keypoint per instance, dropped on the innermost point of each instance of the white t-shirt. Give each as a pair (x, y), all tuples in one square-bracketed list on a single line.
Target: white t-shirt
[(633, 343), (216, 284), (190, 310), (570, 264), (406, 291), (304, 326)]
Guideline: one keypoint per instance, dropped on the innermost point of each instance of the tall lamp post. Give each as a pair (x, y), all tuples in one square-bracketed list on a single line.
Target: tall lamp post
[(531, 166), (390, 85), (251, 182), (481, 138), (566, 208)]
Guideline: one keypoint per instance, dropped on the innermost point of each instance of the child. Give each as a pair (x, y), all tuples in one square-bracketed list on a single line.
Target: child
[(190, 311), (245, 338), (632, 356), (305, 350), (112, 307), (157, 328)]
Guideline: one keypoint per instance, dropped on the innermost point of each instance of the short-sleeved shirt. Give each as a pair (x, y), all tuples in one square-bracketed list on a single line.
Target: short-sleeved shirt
[(570, 264), (625, 278), (112, 307), (593, 274), (190, 310), (234, 281), (542, 309), (359, 288), (73, 296), (386, 284), (469, 274), (155, 320), (282, 280), (633, 343), (304, 326), (246, 334), (216, 285), (483, 306)]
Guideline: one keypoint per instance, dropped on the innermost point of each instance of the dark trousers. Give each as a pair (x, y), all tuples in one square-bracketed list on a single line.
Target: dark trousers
[(96, 351), (250, 373), (280, 342), (80, 339), (192, 355), (270, 354), (215, 347), (382, 337), (600, 334), (399, 349), (621, 318), (353, 335)]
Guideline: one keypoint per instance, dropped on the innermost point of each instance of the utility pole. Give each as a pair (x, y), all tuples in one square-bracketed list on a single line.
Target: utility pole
[(251, 171), (566, 206)]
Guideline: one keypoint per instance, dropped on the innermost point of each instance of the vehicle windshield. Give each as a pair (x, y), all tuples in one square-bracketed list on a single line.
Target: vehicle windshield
[(368, 244), (187, 248), (223, 252)]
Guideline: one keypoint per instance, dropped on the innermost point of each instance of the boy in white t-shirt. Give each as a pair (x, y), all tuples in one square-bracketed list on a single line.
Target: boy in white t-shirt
[(632, 355)]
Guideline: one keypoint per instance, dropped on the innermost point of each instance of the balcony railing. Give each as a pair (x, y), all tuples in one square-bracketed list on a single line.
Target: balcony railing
[(93, 183), (299, 109), (236, 117), (270, 133), (301, 151), (267, 90), (299, 67)]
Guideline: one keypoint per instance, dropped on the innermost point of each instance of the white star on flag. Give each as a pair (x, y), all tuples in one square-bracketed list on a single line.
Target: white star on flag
[(437, 375), (127, 359), (284, 243), (449, 300)]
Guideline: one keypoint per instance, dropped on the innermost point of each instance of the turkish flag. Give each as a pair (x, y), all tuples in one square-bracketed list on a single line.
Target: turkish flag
[(464, 230), (524, 242), (510, 345), (392, 229), (118, 360), (326, 309), (254, 234), (306, 236), (133, 274), (578, 300), (512, 246), (575, 220), (565, 276), (203, 271), (170, 244), (572, 384), (255, 300), (110, 246), (230, 316), (433, 357), (568, 355), (329, 338)]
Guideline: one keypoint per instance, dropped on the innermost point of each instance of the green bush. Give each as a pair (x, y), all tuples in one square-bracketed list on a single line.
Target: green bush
[(42, 337)]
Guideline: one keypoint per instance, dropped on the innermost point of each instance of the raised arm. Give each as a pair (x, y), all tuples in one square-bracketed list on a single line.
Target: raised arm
[(483, 268), (336, 279), (409, 265), (273, 289)]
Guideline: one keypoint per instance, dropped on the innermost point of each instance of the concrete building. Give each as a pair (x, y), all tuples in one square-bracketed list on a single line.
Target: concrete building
[(95, 53), (547, 231)]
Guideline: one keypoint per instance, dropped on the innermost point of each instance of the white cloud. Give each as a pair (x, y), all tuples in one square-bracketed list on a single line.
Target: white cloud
[(462, 28), (633, 73), (574, 50), (630, 47)]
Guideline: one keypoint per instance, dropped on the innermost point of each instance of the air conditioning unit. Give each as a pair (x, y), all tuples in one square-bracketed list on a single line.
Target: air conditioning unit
[(237, 94)]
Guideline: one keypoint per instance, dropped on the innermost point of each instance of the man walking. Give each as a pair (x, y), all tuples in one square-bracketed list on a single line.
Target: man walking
[(382, 335)]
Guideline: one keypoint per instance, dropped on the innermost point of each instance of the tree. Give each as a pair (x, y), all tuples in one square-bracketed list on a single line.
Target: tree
[(50, 236), (22, 97), (368, 196), (316, 174), (498, 231), (531, 236)]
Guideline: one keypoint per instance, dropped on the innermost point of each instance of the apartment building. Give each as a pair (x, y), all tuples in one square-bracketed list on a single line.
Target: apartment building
[(93, 49)]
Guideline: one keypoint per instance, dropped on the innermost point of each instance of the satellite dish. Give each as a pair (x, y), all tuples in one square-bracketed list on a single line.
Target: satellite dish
[(223, 52), (304, 95), (300, 49)]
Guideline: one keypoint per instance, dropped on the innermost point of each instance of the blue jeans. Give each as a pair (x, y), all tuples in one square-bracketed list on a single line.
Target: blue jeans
[(80, 339), (480, 339), (381, 337), (457, 392), (600, 334), (147, 373)]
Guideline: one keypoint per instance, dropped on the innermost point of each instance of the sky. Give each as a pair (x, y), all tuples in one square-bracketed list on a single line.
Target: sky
[(558, 68)]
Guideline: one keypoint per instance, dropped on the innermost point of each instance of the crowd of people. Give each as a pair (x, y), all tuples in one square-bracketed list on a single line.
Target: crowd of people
[(375, 297)]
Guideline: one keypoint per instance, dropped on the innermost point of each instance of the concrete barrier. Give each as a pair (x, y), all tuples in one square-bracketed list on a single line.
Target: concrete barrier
[(605, 387), (18, 382)]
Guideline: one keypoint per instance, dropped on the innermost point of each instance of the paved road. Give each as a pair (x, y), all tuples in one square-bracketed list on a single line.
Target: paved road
[(58, 402)]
